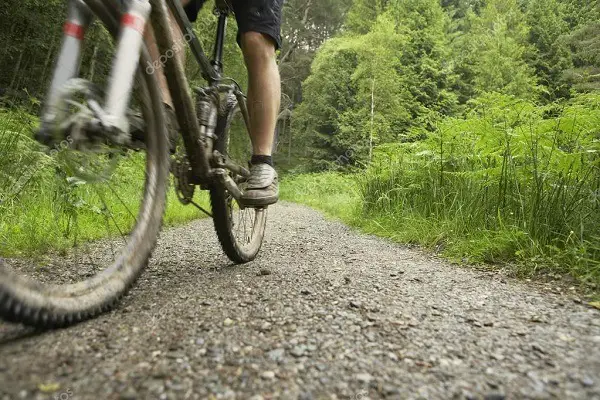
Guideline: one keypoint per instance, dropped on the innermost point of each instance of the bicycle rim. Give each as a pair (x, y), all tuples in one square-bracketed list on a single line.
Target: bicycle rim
[(102, 238)]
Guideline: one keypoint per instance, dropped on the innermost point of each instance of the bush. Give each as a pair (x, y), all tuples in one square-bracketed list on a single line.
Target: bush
[(511, 182)]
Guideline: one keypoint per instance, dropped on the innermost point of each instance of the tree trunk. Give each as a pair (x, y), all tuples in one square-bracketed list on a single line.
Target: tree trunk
[(282, 132), (293, 46), (16, 73), (275, 139), (47, 63), (290, 144)]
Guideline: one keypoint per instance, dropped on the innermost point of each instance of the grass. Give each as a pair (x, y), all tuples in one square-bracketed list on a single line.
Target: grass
[(43, 209), (339, 196), (514, 185), (334, 193)]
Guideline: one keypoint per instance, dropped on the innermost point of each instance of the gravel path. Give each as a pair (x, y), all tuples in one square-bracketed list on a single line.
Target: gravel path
[(324, 313)]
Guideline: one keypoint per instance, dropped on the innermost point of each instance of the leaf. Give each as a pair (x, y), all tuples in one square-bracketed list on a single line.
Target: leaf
[(595, 304), (49, 387)]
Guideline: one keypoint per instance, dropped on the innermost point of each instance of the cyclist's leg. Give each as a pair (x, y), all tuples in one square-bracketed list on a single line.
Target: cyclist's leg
[(259, 23), (264, 89), (259, 37)]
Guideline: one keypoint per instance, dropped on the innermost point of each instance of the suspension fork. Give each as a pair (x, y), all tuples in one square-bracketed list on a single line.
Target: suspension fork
[(125, 64), (67, 67), (123, 71)]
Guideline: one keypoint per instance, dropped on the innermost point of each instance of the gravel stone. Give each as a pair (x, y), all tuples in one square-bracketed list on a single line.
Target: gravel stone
[(587, 381), (298, 351), (494, 396), (267, 375), (276, 355), (319, 345)]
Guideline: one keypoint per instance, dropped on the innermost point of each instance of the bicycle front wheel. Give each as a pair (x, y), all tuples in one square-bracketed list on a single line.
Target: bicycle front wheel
[(79, 232)]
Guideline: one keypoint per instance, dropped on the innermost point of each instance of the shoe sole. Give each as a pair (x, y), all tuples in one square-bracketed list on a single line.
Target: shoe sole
[(260, 202)]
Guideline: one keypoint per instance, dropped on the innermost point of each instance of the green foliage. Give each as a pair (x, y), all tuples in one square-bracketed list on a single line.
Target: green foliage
[(332, 192), (511, 182), (551, 55), (491, 54), (363, 14), (41, 210), (372, 88)]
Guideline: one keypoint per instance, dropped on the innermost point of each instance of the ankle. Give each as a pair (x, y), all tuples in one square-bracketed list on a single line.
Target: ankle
[(261, 159)]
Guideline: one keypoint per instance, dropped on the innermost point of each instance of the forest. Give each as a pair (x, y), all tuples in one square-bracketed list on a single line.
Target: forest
[(469, 127)]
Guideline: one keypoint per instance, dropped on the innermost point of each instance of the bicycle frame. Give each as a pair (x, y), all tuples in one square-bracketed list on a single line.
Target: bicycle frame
[(197, 126), (187, 114)]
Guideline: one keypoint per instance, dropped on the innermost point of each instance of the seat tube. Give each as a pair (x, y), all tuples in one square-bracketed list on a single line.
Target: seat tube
[(67, 66), (126, 62), (219, 42)]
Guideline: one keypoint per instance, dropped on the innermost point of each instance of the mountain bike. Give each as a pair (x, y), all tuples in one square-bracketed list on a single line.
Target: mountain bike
[(95, 164)]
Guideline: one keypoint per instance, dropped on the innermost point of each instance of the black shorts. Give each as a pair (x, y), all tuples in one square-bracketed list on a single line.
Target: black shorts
[(263, 16)]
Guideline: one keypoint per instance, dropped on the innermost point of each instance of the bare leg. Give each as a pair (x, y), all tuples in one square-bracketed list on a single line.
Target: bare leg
[(264, 90)]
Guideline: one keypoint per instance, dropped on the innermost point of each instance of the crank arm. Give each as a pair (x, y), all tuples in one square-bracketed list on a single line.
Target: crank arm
[(222, 161), (229, 184)]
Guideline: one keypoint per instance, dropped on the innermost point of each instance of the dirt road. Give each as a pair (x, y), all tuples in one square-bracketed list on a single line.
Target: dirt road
[(324, 313)]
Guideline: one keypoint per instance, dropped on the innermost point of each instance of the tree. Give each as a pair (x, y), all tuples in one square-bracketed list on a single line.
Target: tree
[(363, 14), (492, 54), (585, 47), (550, 55), (425, 57)]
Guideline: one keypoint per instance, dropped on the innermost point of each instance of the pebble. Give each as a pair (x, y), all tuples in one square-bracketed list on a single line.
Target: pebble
[(355, 304), (298, 351), (538, 348), (267, 375), (364, 377), (587, 381), (129, 394), (228, 322), (266, 326), (494, 396), (276, 354)]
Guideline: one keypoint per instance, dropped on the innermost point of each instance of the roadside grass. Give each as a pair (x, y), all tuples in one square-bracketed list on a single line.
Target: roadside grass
[(339, 196), (44, 211), (333, 193), (514, 184)]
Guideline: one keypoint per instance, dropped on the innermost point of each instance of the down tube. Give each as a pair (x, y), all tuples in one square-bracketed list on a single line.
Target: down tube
[(180, 93)]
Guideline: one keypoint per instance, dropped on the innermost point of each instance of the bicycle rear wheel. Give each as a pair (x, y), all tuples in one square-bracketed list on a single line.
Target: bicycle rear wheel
[(99, 219), (240, 230)]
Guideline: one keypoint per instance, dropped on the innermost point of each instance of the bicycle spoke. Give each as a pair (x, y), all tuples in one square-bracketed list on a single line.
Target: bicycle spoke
[(122, 202)]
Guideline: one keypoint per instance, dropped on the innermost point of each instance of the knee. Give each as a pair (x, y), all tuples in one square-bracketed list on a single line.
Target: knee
[(257, 48)]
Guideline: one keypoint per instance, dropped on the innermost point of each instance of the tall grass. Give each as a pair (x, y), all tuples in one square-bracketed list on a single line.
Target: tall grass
[(42, 209), (332, 192), (512, 182)]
